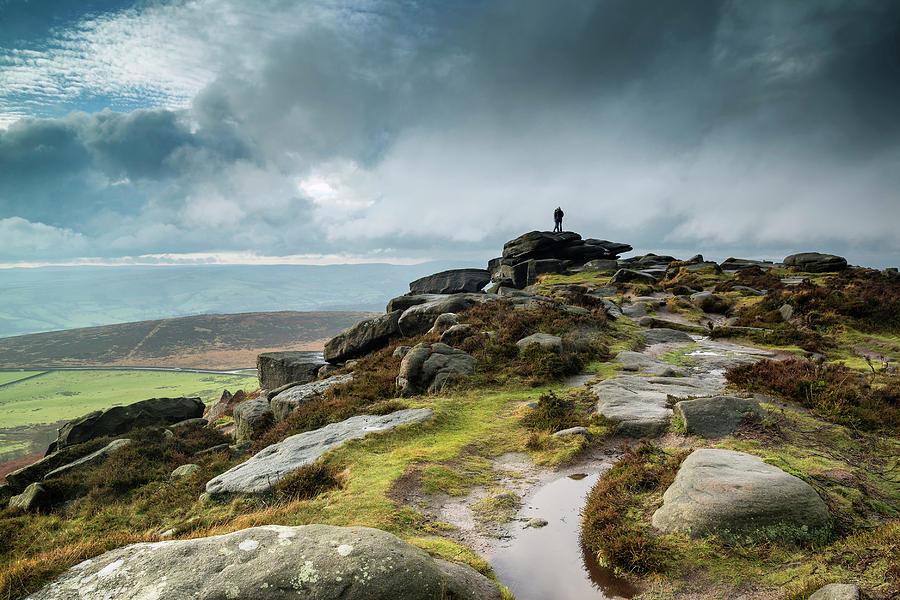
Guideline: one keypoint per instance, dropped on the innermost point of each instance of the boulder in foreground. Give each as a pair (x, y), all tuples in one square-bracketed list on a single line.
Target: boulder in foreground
[(737, 496), (453, 281), (716, 416), (262, 471), (272, 562), (120, 419)]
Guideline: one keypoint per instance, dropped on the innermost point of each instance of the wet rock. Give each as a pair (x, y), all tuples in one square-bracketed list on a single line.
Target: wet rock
[(836, 591), (184, 471), (272, 562), (815, 262), (544, 340), (453, 281), (664, 335), (275, 369), (444, 322), (35, 497), (91, 459), (727, 493), (248, 416), (287, 401), (261, 472), (364, 337), (629, 276), (716, 416), (429, 367), (635, 361), (120, 419)]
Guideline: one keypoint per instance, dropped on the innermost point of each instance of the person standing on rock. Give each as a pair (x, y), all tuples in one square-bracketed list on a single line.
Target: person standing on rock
[(557, 220)]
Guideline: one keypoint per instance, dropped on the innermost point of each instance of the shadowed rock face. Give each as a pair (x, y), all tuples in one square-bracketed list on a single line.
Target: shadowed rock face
[(276, 369), (814, 262), (736, 494), (272, 563), (453, 281), (428, 367), (120, 419), (363, 338)]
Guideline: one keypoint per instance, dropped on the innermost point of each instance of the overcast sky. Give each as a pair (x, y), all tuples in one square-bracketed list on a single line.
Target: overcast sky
[(346, 131)]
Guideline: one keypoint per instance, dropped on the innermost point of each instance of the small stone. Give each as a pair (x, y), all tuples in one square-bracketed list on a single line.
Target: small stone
[(786, 311), (537, 523), (836, 591), (572, 431), (185, 471)]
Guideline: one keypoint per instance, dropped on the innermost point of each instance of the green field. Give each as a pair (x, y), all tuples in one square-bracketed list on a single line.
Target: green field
[(10, 376), (30, 409)]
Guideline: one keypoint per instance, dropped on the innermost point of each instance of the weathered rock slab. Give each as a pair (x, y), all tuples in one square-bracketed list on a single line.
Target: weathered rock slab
[(276, 369), (453, 281), (716, 416), (664, 335), (272, 562), (729, 493), (815, 262), (287, 401), (91, 459), (119, 419), (429, 367), (364, 337), (262, 471)]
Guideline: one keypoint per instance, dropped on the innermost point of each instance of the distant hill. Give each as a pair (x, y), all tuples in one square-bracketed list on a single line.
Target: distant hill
[(58, 298), (205, 341)]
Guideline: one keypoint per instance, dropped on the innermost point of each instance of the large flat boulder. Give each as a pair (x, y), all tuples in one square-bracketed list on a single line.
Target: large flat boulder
[(716, 416), (737, 495), (453, 281), (272, 562), (639, 405), (815, 262), (636, 361), (262, 471), (120, 419), (364, 337), (429, 367), (276, 369), (289, 400)]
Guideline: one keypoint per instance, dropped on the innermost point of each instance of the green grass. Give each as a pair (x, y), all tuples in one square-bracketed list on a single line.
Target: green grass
[(63, 395), (10, 376)]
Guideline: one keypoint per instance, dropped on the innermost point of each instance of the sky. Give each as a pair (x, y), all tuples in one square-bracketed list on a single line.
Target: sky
[(321, 132)]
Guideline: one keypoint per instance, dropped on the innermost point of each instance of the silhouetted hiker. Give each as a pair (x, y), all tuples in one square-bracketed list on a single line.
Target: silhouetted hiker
[(557, 220)]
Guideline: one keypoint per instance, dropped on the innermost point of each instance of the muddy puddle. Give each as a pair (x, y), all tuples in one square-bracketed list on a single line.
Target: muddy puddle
[(549, 563)]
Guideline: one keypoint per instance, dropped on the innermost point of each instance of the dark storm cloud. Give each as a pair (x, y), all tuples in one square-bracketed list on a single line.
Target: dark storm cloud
[(445, 128)]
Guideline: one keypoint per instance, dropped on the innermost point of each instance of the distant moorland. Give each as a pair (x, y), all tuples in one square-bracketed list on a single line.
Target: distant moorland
[(203, 342)]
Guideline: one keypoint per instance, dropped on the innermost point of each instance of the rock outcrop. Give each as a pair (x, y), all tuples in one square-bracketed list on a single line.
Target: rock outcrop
[(120, 419), (276, 369), (286, 402), (262, 471), (664, 335), (429, 367), (91, 459), (815, 262), (364, 337), (716, 416), (733, 494), (35, 497), (272, 562), (224, 406), (453, 281), (420, 318), (248, 417)]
